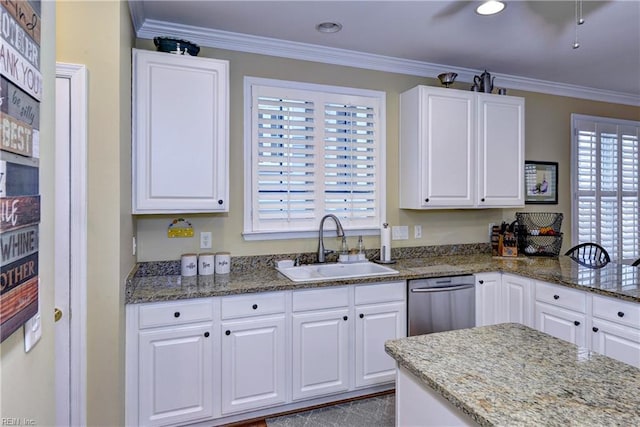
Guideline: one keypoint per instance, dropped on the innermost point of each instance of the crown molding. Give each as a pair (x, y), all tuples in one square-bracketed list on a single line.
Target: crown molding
[(149, 29), (136, 10)]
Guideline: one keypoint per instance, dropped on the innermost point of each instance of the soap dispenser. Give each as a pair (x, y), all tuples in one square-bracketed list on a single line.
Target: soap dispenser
[(361, 253)]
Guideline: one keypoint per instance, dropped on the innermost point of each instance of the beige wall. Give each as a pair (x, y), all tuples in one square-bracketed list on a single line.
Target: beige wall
[(27, 388), (99, 35), (547, 138)]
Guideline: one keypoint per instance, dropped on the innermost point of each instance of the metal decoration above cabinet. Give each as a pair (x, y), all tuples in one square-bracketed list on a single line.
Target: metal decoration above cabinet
[(460, 149), (180, 133)]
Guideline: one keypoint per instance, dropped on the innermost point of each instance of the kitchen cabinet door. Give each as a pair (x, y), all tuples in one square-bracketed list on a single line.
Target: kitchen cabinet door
[(517, 295), (320, 353), (175, 375), (489, 303), (565, 324), (375, 324), (500, 151), (437, 152), (618, 342), (180, 134), (253, 363)]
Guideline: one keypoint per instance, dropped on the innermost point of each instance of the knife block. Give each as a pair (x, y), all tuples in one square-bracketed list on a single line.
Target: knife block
[(508, 245)]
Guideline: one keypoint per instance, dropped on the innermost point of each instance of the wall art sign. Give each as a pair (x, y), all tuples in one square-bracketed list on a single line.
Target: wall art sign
[(18, 38), (20, 94), (20, 71), (541, 182)]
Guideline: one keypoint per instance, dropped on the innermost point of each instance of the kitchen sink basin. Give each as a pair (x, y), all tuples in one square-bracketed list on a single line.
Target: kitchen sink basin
[(322, 272)]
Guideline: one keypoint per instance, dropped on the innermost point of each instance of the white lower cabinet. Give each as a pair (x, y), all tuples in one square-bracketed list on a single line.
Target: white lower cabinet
[(320, 338), (565, 324), (380, 315), (198, 360), (618, 342), (489, 302), (253, 352), (517, 297), (170, 377), (175, 375), (561, 312), (616, 329)]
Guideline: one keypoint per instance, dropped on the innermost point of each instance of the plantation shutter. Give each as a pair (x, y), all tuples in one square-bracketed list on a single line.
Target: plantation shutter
[(350, 159), (607, 209), (313, 153)]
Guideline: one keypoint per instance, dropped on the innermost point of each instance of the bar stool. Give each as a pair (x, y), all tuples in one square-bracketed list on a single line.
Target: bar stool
[(589, 254)]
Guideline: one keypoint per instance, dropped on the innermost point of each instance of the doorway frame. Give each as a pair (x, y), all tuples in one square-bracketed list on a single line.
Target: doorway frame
[(77, 76)]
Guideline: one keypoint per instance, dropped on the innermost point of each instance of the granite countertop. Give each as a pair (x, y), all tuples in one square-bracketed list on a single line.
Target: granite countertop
[(161, 281), (509, 374)]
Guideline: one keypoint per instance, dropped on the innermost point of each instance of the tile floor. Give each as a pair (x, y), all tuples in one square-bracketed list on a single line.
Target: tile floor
[(376, 411)]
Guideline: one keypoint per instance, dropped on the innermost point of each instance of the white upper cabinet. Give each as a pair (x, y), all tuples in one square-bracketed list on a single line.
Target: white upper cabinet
[(180, 133), (460, 149), (500, 151), (437, 156)]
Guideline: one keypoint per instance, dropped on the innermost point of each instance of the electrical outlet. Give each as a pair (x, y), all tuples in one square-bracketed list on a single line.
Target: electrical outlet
[(205, 240), (134, 246), (491, 225), (417, 232), (400, 232), (33, 329)]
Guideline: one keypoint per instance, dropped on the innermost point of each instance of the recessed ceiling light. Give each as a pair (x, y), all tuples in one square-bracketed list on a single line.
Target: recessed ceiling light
[(329, 27), (490, 7)]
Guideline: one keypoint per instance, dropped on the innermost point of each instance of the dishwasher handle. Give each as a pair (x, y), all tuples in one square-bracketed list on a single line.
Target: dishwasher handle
[(442, 289)]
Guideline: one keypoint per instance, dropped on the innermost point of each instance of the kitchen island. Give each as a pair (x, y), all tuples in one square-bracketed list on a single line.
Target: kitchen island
[(510, 375)]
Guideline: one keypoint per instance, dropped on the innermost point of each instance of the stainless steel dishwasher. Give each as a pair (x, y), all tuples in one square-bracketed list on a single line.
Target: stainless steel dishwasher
[(441, 304)]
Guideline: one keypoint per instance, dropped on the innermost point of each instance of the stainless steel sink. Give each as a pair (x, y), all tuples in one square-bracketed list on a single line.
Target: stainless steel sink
[(321, 272)]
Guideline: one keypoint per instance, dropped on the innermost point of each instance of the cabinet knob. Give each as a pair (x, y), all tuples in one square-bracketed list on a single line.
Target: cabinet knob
[(482, 200), (220, 201), (206, 334), (556, 297), (227, 332), (176, 314), (481, 281), (620, 314), (426, 200), (255, 306), (594, 329), (362, 315), (345, 318), (576, 323)]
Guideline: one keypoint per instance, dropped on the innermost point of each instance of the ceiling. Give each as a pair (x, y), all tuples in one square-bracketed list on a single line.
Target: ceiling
[(529, 41)]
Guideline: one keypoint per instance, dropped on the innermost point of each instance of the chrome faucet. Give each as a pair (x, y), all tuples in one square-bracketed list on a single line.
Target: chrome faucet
[(339, 231)]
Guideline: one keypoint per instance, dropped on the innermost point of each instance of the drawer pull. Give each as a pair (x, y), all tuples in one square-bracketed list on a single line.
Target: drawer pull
[(594, 329), (576, 323), (255, 306), (556, 297), (362, 315), (620, 314), (227, 332), (345, 318), (206, 334), (176, 314)]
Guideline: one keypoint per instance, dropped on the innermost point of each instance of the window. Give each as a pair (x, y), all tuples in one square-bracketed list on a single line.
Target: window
[(605, 169), (312, 150)]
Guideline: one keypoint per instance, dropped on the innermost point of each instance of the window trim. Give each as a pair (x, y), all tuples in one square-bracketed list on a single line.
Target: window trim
[(574, 176), (248, 233)]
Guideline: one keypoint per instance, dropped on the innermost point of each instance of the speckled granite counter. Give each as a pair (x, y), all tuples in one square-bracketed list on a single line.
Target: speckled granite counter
[(512, 375), (161, 281)]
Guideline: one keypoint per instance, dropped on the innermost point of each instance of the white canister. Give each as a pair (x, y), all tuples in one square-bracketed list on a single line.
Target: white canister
[(189, 265), (206, 264), (223, 262)]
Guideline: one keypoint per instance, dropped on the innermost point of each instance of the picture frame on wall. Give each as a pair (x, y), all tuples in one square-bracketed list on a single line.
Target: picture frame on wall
[(541, 182)]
